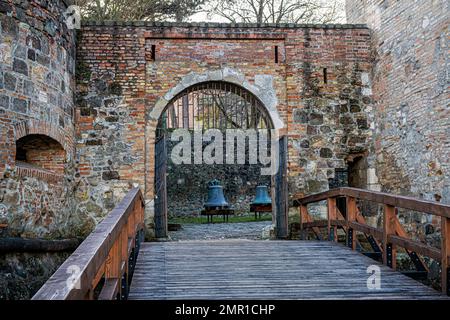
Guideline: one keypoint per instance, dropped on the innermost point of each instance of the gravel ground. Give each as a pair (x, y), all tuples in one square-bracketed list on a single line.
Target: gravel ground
[(217, 231)]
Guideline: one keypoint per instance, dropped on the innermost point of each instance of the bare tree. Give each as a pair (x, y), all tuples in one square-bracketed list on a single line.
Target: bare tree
[(149, 10), (277, 11)]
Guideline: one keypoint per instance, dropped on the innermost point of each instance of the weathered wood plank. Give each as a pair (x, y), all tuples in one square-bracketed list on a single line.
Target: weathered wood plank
[(389, 251), (374, 232), (15, 245), (445, 245), (242, 269), (109, 290)]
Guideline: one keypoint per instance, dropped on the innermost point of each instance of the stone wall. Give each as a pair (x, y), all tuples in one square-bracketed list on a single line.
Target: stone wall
[(37, 84), (23, 274), (411, 137), (318, 89)]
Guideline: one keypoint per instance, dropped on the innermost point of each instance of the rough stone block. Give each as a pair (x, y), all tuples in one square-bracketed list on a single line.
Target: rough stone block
[(20, 66), (19, 105), (10, 81)]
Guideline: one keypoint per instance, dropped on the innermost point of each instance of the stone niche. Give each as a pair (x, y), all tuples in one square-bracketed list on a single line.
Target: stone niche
[(40, 152)]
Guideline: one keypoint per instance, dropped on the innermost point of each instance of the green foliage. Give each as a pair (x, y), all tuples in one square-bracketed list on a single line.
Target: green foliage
[(82, 71)]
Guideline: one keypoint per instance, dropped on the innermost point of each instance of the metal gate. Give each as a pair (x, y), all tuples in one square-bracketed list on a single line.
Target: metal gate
[(281, 191), (160, 187)]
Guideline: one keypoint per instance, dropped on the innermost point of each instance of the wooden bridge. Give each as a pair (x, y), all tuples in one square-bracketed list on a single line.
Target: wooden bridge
[(113, 263)]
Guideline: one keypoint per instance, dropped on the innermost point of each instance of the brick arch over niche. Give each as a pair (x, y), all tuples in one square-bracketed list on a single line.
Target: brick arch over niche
[(39, 127)]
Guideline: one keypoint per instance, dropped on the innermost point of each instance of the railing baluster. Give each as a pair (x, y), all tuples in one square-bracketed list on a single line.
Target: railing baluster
[(351, 217), (303, 219), (124, 262), (332, 215), (389, 250), (445, 255)]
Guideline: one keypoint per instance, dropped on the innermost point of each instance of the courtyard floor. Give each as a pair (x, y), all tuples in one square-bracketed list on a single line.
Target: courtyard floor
[(217, 231)]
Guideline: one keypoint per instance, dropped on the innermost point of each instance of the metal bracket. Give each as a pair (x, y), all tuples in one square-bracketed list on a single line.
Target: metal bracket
[(350, 238), (448, 281), (331, 235), (373, 244), (125, 287), (389, 255), (417, 263)]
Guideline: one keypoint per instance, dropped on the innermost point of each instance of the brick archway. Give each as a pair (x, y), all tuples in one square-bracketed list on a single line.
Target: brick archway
[(262, 90), (265, 94)]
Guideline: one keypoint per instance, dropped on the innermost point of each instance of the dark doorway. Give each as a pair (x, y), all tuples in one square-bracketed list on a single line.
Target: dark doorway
[(214, 105)]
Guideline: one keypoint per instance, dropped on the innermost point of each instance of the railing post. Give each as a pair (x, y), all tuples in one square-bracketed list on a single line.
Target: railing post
[(332, 215), (124, 262), (445, 255), (112, 270), (389, 250), (351, 217), (303, 215)]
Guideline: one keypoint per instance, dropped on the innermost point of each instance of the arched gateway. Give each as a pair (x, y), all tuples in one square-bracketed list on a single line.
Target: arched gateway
[(226, 103)]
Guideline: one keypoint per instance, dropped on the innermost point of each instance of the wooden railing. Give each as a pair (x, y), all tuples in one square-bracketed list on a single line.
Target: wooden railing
[(102, 266), (385, 240)]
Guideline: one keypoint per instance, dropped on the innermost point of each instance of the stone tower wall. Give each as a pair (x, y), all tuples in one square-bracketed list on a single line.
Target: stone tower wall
[(37, 149), (411, 137)]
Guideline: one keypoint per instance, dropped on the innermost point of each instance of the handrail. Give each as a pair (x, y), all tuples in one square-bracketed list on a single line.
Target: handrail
[(392, 234), (108, 253), (411, 203)]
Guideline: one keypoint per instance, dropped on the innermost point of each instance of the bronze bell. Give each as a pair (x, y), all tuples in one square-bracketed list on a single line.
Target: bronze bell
[(216, 199), (262, 196)]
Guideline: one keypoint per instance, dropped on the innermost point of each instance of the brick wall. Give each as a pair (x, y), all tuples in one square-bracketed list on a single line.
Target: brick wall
[(119, 85), (411, 140)]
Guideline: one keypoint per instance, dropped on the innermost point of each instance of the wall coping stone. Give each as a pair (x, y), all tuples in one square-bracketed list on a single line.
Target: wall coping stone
[(91, 23)]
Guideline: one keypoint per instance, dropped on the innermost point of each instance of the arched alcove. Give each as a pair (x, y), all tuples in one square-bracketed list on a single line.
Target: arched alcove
[(42, 152)]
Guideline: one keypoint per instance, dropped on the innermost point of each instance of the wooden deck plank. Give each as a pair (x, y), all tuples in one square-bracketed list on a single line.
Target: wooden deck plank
[(246, 269)]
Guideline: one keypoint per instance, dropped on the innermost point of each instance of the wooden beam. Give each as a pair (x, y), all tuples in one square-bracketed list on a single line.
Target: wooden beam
[(374, 232), (112, 268), (420, 263), (109, 290), (306, 218), (445, 252), (338, 223), (303, 213), (315, 224), (318, 197), (14, 245), (389, 251), (100, 273), (332, 215), (426, 206), (415, 246), (351, 217)]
